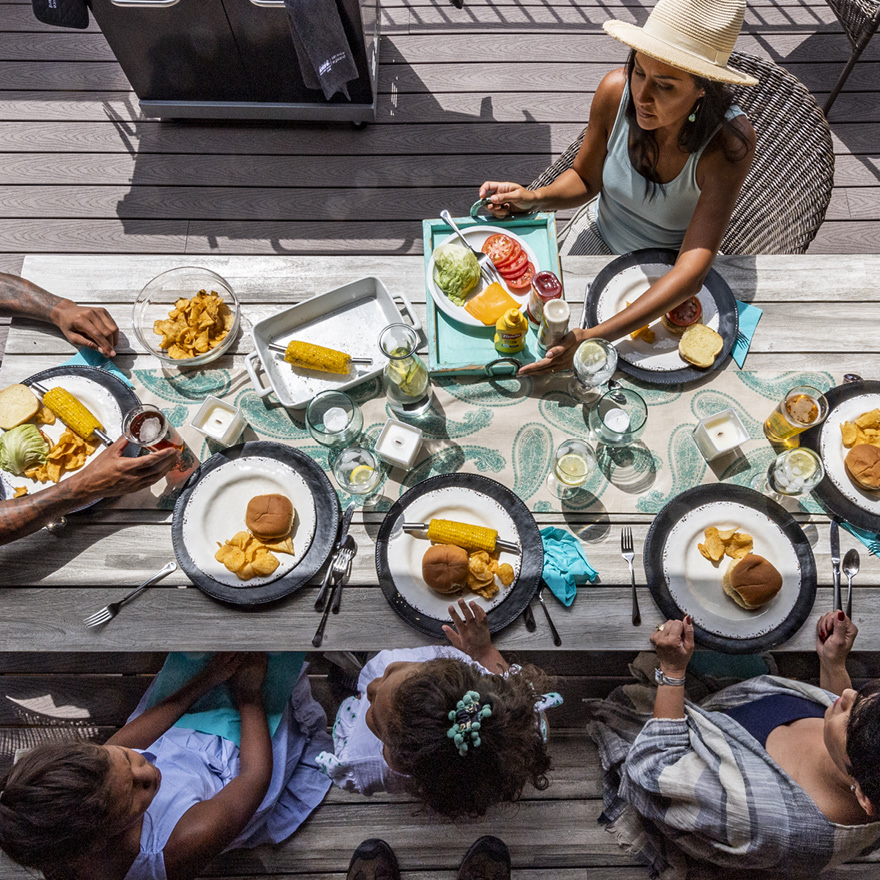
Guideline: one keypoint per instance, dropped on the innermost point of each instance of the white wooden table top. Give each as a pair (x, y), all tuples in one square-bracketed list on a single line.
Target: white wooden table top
[(820, 313)]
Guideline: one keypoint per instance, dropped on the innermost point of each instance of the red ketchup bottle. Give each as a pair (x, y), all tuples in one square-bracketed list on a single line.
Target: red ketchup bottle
[(545, 286)]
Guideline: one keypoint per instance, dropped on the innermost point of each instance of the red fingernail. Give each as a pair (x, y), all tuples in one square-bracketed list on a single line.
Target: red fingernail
[(687, 618), (840, 615)]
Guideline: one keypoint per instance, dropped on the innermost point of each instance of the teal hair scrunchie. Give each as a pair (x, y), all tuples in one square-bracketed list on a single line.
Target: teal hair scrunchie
[(466, 718)]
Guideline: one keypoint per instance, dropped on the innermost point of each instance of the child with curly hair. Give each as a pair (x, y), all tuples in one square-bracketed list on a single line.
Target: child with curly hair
[(457, 726)]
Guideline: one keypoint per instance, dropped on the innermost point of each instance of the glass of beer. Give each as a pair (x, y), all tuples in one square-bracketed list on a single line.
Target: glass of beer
[(803, 407), (148, 427)]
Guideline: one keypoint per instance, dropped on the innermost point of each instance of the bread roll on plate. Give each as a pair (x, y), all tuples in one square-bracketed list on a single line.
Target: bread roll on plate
[(862, 463), (751, 581)]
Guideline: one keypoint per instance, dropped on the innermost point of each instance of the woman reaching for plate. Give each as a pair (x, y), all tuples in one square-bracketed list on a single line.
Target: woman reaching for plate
[(664, 155), (770, 776)]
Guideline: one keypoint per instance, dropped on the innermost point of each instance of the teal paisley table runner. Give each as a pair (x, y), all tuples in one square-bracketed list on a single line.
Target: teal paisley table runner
[(508, 429)]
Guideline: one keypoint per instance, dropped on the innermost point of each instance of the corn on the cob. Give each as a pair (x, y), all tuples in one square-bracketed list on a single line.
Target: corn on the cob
[(316, 357), (470, 538), (76, 416)]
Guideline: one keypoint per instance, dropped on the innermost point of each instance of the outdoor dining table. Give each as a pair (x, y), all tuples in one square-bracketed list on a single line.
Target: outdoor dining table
[(820, 321)]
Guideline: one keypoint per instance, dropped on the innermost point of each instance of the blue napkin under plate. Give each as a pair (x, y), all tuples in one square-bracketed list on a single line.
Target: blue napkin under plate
[(870, 539), (749, 316), (88, 357), (565, 565), (216, 712)]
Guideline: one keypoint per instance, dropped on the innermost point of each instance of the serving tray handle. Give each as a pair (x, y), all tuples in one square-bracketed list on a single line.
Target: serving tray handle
[(401, 301), (250, 364)]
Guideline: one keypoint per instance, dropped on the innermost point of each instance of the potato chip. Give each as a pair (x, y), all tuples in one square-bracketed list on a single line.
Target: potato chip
[(265, 563), (44, 416), (713, 549), (739, 545), (20, 491), (231, 557), (725, 541), (194, 326), (726, 534), (506, 574), (285, 546), (850, 434), (247, 557), (869, 419)]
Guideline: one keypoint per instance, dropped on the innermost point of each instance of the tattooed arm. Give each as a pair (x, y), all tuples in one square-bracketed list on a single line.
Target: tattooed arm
[(82, 325), (108, 476)]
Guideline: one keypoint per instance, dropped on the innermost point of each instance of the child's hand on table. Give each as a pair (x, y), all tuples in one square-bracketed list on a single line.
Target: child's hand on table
[(470, 633)]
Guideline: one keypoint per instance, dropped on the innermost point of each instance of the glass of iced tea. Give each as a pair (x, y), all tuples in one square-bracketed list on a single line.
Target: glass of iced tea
[(148, 427), (803, 407)]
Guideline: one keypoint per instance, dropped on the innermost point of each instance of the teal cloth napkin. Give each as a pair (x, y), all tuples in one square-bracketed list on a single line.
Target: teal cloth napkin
[(88, 357), (869, 539), (565, 565), (749, 316), (216, 712)]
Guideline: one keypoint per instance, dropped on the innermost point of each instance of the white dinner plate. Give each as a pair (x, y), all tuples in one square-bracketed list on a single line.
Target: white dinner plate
[(475, 236), (216, 510)]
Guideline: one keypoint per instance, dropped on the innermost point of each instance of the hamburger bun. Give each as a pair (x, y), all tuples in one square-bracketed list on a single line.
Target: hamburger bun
[(700, 345), (862, 464), (689, 313), (445, 568), (17, 404), (269, 516), (751, 581)]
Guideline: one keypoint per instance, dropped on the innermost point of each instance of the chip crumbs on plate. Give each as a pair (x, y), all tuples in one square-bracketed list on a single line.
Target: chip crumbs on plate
[(718, 542), (68, 454), (194, 326), (864, 430), (20, 491), (246, 556)]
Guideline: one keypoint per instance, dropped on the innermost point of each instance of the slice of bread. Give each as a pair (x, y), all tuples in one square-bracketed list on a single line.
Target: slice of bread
[(17, 404), (700, 345)]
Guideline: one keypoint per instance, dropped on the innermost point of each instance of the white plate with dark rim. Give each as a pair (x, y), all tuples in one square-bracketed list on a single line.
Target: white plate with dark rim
[(837, 491), (683, 581), (476, 236), (102, 393), (625, 279), (463, 497)]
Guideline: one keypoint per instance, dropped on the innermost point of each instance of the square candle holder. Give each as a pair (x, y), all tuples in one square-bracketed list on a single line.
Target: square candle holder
[(720, 433), (219, 421), (399, 444)]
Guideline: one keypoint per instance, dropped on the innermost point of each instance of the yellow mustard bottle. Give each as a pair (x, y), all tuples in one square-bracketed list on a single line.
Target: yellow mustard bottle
[(510, 332)]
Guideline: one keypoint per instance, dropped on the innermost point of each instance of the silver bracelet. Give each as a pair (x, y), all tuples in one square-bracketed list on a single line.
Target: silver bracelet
[(662, 678)]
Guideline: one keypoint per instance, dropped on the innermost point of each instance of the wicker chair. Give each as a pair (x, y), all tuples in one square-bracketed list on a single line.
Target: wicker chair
[(784, 197), (860, 19)]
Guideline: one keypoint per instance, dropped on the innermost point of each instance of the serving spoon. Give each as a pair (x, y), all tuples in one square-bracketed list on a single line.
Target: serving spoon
[(851, 563)]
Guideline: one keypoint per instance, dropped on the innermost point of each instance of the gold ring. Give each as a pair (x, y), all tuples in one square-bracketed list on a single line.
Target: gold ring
[(659, 627)]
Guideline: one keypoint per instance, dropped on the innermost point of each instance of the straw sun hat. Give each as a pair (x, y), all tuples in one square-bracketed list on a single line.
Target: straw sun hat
[(693, 35)]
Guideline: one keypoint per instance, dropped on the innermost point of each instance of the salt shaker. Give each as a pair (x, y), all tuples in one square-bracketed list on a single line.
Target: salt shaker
[(554, 323)]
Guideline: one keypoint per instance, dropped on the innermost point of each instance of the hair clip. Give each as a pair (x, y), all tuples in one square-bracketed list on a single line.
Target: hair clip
[(466, 718)]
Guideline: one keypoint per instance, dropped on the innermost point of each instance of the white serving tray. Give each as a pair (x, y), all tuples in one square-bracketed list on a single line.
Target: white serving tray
[(348, 318)]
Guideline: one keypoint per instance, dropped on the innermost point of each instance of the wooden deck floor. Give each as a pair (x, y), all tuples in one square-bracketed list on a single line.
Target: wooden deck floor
[(495, 89)]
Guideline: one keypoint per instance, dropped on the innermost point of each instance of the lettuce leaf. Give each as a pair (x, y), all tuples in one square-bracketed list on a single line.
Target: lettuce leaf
[(21, 448), (456, 271)]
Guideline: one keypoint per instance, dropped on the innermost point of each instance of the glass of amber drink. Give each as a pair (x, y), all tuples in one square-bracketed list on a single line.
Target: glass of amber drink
[(803, 407)]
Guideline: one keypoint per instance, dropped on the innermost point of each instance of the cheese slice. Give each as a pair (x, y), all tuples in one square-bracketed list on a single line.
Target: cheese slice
[(491, 304)]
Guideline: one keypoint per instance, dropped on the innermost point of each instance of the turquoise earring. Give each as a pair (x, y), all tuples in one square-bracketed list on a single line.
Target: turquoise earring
[(693, 116)]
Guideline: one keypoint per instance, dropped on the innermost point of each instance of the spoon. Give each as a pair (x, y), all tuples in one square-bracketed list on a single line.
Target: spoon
[(850, 568)]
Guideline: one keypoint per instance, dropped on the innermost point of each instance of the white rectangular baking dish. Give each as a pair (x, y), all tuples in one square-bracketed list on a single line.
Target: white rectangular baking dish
[(348, 318)]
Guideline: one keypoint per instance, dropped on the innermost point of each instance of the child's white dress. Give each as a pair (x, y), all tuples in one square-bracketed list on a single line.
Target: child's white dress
[(357, 763)]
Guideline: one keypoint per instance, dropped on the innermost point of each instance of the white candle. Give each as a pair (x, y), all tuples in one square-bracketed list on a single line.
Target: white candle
[(335, 420), (616, 420), (399, 443), (720, 433), (219, 421)]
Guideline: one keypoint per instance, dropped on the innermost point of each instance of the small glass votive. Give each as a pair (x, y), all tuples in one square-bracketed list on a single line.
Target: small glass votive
[(720, 433), (619, 417), (333, 419), (219, 421), (399, 444)]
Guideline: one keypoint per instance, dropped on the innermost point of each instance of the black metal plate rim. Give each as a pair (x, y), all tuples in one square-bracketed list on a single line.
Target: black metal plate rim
[(327, 514), (699, 495), (827, 491), (122, 394), (532, 561), (728, 315)]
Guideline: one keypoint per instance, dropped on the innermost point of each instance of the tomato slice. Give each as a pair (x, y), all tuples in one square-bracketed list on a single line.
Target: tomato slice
[(514, 255), (517, 267), (498, 246), (523, 282)]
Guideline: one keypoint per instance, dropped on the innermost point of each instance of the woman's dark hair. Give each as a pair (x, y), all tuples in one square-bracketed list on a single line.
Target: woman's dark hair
[(711, 111), (863, 741), (55, 806), (511, 753)]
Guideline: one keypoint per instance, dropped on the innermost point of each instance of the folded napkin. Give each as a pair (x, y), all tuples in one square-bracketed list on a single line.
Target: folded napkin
[(216, 712), (88, 357), (749, 316), (869, 539), (565, 565)]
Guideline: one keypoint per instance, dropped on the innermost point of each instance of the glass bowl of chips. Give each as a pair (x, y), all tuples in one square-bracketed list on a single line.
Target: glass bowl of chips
[(186, 317)]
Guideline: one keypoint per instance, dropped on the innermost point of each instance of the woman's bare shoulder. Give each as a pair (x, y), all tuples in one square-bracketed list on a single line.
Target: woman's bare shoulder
[(607, 98)]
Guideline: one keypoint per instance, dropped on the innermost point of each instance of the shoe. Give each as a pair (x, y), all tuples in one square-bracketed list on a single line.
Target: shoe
[(373, 860), (487, 859)]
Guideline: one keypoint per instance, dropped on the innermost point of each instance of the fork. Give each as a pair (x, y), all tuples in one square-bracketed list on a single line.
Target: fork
[(487, 267), (556, 639), (351, 547), (108, 612), (627, 552), (340, 565)]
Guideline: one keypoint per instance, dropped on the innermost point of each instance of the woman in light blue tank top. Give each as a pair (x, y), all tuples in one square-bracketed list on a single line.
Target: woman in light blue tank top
[(662, 161)]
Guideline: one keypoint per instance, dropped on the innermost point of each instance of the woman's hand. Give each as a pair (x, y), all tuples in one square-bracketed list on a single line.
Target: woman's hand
[(507, 197), (558, 358), (470, 633), (674, 644), (835, 634), (86, 326), (247, 681)]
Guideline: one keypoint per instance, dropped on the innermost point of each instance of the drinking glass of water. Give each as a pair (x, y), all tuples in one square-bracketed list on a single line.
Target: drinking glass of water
[(794, 472), (573, 464), (594, 364), (357, 470), (619, 418)]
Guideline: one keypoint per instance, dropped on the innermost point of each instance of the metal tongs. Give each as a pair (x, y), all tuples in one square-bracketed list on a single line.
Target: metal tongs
[(512, 546)]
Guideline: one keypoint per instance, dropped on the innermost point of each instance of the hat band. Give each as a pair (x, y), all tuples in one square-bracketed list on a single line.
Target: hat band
[(661, 31)]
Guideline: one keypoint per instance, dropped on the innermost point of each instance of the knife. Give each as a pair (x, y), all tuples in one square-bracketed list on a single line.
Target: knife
[(343, 531), (835, 563)]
